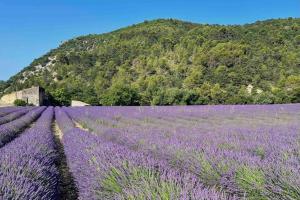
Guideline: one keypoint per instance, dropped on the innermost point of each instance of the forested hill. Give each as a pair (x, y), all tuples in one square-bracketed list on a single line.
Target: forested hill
[(165, 62)]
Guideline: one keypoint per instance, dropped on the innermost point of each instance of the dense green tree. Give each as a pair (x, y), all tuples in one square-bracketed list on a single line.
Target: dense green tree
[(60, 97), (264, 98), (120, 94)]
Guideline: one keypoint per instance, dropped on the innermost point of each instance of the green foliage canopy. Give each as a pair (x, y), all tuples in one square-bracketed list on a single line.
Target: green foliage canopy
[(167, 62)]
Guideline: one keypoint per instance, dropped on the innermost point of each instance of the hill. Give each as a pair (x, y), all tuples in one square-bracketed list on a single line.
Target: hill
[(166, 62)]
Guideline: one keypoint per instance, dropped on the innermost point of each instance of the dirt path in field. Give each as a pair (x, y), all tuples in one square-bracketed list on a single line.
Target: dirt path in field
[(66, 187), (77, 125)]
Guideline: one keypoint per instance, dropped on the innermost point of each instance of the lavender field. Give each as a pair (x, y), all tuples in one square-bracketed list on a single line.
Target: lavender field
[(160, 153)]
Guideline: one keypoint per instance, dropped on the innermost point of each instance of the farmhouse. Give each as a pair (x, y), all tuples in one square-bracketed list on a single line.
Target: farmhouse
[(78, 103), (33, 95)]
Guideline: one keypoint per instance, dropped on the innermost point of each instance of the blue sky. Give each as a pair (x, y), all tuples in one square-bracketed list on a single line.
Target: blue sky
[(30, 28)]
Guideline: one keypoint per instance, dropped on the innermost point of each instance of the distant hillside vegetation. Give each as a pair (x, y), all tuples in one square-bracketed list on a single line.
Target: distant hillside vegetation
[(166, 62)]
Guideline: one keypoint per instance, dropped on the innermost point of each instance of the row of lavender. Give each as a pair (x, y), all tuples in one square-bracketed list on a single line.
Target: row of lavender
[(7, 110), (9, 130), (106, 170), (28, 163), (255, 154), (8, 117)]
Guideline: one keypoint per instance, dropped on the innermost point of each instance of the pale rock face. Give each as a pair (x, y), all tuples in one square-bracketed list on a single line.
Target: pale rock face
[(23, 80), (52, 58), (249, 88), (54, 75), (38, 68), (51, 61)]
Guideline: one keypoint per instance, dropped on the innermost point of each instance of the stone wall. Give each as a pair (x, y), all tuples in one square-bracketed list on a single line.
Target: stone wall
[(34, 95), (8, 99)]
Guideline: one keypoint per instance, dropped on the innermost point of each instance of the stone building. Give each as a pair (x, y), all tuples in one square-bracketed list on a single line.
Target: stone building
[(33, 95), (78, 103)]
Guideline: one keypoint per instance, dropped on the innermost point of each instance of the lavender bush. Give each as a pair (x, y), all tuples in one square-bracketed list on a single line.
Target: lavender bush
[(242, 150), (14, 115), (27, 164), (104, 170), (10, 130), (6, 110)]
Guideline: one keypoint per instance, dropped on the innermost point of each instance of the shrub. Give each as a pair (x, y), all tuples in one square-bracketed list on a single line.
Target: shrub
[(209, 173), (120, 95), (264, 98), (20, 102), (137, 183), (251, 181)]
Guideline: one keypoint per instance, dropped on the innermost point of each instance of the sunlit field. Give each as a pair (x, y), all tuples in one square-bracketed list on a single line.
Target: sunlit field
[(167, 152)]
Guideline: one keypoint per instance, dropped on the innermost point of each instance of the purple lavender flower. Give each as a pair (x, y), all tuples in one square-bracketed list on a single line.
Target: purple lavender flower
[(105, 170), (27, 164), (10, 130), (232, 148), (13, 115)]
